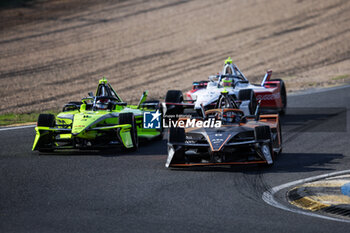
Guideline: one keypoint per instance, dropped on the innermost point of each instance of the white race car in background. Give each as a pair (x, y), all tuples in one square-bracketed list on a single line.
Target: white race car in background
[(270, 93)]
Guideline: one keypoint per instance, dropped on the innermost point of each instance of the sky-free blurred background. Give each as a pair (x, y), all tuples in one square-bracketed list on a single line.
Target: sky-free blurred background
[(54, 51)]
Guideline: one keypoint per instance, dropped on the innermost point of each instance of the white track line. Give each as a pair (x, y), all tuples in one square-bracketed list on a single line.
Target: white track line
[(17, 127), (269, 198)]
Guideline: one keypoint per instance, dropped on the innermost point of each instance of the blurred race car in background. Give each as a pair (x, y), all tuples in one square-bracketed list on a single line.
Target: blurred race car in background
[(96, 122), (241, 139), (271, 92)]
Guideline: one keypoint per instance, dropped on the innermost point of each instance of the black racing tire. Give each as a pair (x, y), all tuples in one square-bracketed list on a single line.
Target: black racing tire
[(174, 96), (129, 118), (46, 120), (177, 135), (283, 94), (46, 143), (248, 94)]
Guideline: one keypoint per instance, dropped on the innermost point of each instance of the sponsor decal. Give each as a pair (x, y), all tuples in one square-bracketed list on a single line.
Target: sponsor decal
[(217, 140), (268, 97)]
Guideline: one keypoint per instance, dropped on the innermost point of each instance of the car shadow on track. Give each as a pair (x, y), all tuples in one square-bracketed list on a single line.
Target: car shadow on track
[(146, 148), (286, 162)]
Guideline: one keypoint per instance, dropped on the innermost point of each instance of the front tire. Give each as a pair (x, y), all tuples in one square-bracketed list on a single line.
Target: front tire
[(46, 142), (46, 120)]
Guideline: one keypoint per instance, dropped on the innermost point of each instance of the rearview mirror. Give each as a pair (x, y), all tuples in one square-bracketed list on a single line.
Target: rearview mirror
[(90, 94)]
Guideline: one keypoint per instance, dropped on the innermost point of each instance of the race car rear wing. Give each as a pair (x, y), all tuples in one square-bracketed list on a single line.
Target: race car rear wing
[(266, 77), (185, 104), (190, 104)]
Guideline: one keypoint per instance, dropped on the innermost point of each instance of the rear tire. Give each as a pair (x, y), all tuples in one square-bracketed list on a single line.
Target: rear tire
[(174, 96), (283, 94), (129, 118), (248, 94)]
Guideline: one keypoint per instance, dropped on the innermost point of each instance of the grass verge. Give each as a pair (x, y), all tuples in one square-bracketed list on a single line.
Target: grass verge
[(20, 118), (339, 77)]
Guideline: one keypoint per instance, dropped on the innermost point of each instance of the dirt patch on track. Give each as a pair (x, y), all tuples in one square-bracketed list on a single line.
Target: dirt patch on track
[(55, 51)]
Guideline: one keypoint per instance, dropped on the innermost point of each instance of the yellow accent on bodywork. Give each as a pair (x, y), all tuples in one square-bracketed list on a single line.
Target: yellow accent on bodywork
[(124, 133), (228, 61), (126, 137), (65, 136), (82, 107), (224, 91), (126, 126), (103, 81), (42, 130), (57, 130), (36, 139)]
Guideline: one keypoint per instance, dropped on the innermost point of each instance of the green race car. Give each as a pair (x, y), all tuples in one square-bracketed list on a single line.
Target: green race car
[(98, 121)]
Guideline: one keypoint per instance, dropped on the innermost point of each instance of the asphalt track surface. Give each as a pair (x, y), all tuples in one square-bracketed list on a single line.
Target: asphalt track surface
[(112, 191)]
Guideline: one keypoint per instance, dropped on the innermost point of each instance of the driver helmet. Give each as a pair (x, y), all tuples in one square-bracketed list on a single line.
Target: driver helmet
[(102, 104), (229, 117), (227, 82)]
